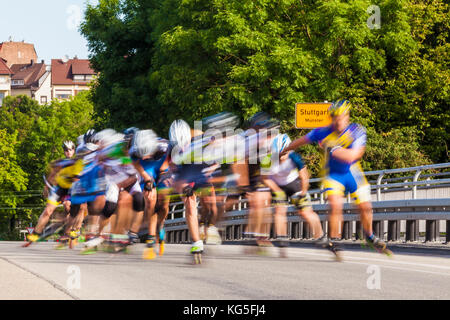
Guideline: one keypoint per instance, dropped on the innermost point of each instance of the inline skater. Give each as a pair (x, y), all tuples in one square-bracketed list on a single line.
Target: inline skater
[(344, 144), (142, 152), (288, 177), (224, 150), (63, 173), (164, 188), (122, 193), (88, 192), (258, 149), (190, 176)]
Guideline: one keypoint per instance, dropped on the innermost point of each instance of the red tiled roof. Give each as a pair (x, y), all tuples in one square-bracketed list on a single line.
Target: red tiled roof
[(81, 67), (30, 73), (62, 73), (4, 68)]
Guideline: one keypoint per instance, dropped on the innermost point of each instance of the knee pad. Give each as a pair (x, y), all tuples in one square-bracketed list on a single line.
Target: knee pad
[(74, 210), (138, 202), (109, 209), (301, 201)]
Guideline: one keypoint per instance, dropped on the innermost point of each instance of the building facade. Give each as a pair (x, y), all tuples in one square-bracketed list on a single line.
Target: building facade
[(69, 77), (32, 80), (17, 52), (5, 80)]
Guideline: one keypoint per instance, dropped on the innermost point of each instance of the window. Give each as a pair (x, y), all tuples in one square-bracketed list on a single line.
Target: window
[(63, 96), (43, 99), (3, 79), (17, 82), (83, 77), (79, 77), (2, 95)]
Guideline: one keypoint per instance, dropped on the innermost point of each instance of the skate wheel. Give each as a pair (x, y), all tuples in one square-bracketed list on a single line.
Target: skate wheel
[(283, 253), (197, 258), (388, 253), (88, 251), (262, 253), (72, 244), (149, 254)]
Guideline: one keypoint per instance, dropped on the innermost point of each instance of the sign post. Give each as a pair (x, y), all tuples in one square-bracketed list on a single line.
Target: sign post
[(312, 115)]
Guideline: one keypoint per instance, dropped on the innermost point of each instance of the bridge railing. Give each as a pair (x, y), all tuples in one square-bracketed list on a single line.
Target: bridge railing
[(422, 194)]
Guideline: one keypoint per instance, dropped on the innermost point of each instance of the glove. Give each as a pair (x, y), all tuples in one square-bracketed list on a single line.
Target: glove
[(148, 184), (188, 191)]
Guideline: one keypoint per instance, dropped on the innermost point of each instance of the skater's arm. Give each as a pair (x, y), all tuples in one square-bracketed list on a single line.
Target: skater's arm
[(127, 182), (348, 155), (296, 144), (141, 171)]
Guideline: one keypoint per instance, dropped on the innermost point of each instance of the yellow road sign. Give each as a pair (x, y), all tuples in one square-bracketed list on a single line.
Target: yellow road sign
[(312, 115)]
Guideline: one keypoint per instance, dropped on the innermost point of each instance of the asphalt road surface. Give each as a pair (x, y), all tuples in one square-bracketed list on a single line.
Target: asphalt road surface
[(40, 272)]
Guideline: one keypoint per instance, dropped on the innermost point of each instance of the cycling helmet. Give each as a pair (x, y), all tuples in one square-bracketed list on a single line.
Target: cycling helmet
[(68, 145), (257, 119), (130, 132), (221, 121), (108, 137), (144, 143), (280, 142), (262, 120), (89, 136), (340, 107), (180, 133)]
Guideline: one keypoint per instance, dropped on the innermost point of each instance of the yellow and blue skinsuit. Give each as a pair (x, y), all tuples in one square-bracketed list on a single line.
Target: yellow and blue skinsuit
[(341, 177)]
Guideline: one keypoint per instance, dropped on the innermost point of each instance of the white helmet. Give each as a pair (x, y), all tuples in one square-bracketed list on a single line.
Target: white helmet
[(144, 143), (280, 142), (180, 133), (68, 145), (108, 137)]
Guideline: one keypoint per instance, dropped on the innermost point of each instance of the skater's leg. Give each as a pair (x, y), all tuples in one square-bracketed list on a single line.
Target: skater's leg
[(336, 216)]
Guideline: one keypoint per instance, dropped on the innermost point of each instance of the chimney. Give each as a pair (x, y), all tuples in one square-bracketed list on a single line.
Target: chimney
[(42, 61), (32, 62)]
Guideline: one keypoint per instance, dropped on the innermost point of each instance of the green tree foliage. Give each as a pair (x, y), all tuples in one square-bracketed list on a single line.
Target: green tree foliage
[(31, 137), (167, 59), (13, 180), (118, 33)]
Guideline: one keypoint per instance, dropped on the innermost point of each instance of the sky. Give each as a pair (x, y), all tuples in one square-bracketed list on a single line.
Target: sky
[(51, 25)]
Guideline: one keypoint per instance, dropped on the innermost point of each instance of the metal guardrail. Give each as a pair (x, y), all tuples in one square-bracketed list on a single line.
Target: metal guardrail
[(392, 212)]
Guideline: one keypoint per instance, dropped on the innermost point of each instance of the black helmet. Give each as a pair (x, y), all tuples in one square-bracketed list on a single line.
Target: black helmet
[(262, 119), (89, 136), (130, 132)]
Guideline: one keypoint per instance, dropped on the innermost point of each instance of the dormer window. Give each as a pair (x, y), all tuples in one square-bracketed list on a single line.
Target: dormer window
[(79, 77), (17, 83), (82, 77)]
